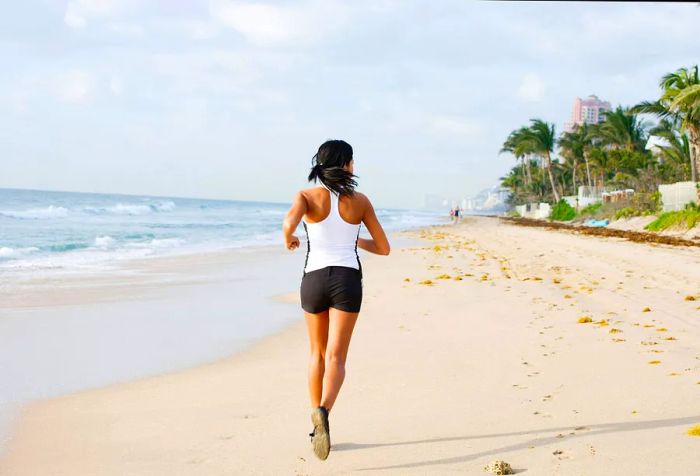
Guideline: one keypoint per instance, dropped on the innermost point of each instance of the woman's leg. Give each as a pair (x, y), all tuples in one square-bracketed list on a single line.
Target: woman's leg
[(317, 326), (340, 331)]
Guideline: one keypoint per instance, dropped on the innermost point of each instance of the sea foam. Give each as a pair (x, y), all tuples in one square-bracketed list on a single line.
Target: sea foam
[(36, 213)]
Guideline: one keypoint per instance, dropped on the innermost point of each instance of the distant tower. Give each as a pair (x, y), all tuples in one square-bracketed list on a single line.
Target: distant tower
[(589, 111)]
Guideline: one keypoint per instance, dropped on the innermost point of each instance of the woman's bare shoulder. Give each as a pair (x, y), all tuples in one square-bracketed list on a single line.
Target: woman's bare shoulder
[(311, 191), (361, 198)]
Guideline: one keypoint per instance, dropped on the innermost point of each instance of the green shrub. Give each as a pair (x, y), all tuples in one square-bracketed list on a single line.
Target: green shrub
[(591, 209), (562, 211), (628, 212), (687, 218)]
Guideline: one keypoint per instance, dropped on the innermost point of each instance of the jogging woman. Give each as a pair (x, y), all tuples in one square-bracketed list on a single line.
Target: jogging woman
[(331, 288)]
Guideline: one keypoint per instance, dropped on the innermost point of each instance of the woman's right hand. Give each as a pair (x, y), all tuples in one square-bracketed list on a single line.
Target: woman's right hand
[(292, 243), (291, 221)]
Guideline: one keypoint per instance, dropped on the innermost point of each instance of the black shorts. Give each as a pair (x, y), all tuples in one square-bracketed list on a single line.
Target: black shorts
[(338, 287)]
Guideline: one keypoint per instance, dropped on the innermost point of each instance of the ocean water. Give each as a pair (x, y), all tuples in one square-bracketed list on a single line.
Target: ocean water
[(45, 232)]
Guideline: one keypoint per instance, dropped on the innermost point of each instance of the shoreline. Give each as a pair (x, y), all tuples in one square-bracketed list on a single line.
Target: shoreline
[(150, 305), (202, 421)]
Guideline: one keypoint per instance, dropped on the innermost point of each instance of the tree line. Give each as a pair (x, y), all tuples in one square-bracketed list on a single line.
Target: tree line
[(612, 153)]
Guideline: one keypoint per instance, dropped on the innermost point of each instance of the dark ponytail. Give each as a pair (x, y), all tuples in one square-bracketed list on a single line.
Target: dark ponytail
[(328, 162)]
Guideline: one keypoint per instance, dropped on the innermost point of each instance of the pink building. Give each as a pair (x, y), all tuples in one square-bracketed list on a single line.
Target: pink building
[(589, 110)]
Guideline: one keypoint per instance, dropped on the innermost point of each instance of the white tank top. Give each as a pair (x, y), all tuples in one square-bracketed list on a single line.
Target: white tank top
[(332, 241)]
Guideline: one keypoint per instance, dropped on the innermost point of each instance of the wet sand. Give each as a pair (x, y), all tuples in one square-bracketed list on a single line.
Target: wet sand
[(468, 349)]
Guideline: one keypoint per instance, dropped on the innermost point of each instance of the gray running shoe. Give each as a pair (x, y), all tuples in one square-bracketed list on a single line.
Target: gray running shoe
[(321, 436)]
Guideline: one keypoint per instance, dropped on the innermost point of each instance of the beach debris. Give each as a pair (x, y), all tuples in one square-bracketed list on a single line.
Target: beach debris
[(637, 236), (662, 329), (444, 276), (584, 319), (646, 309), (670, 338), (648, 325), (618, 340), (556, 280), (614, 331), (457, 278), (498, 467), (673, 374), (426, 282), (557, 452), (634, 412), (407, 280), (694, 430), (484, 277), (602, 322), (689, 298), (654, 362)]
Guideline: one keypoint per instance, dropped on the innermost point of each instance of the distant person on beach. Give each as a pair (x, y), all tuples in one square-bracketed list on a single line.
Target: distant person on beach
[(331, 287), (456, 214)]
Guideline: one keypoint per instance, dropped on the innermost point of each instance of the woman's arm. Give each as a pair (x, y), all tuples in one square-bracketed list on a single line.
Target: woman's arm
[(379, 244), (291, 221)]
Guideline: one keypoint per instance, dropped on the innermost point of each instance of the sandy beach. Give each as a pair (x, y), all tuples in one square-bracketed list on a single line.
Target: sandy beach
[(468, 349)]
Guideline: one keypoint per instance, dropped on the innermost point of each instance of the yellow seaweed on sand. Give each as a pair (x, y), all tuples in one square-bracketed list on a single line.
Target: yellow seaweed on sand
[(426, 282), (584, 319), (662, 329), (615, 331), (444, 276), (646, 309), (654, 362), (407, 280), (694, 430), (690, 298)]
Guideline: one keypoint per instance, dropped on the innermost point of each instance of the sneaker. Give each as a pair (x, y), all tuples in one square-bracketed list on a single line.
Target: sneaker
[(321, 437)]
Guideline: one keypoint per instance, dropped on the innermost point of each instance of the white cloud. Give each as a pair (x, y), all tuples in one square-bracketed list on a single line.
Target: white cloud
[(200, 30), (127, 29), (78, 11), (264, 24), (532, 88), (457, 127), (72, 18), (75, 86), (116, 86)]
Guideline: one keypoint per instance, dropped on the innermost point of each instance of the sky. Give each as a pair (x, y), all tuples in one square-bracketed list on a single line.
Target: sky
[(231, 99)]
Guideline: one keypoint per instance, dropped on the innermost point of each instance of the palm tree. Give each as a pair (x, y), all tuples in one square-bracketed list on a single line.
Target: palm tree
[(518, 145), (542, 139), (571, 146), (676, 156), (622, 129), (679, 101)]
